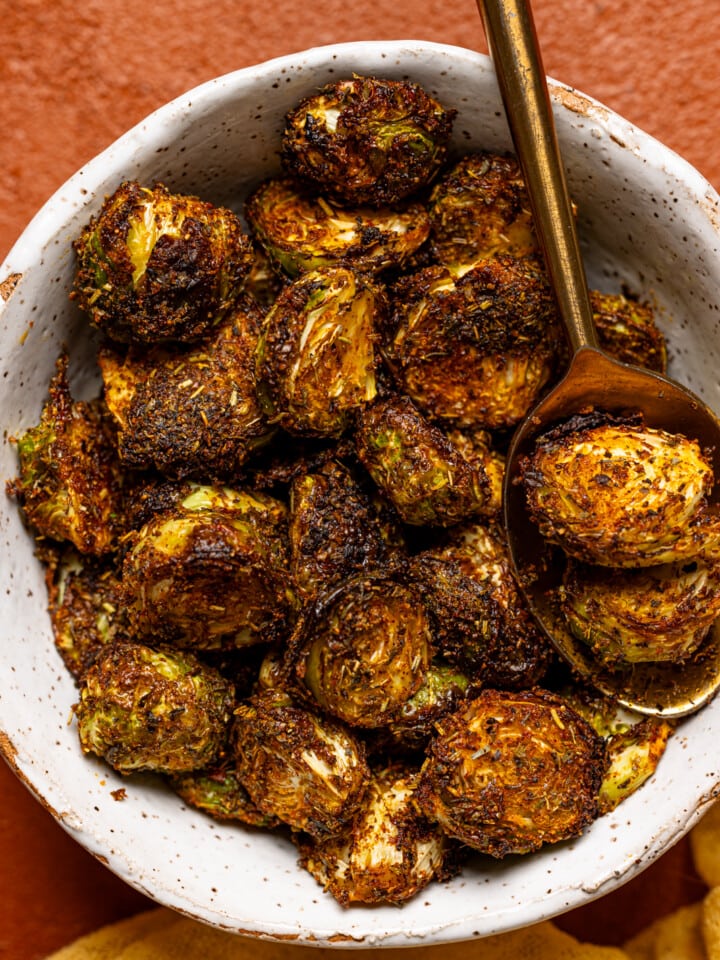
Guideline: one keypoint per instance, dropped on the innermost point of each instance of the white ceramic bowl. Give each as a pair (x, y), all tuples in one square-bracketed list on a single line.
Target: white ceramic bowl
[(647, 220)]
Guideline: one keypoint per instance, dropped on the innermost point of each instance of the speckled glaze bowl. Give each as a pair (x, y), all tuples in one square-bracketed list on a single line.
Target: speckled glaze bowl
[(648, 221)]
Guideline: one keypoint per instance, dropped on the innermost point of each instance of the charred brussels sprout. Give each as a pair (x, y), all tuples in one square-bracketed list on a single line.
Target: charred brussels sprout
[(305, 770), (475, 350), (627, 330), (465, 619), (417, 467), (70, 487), (189, 411), (316, 359), (509, 772), (476, 446), (442, 690), (218, 792), (650, 614), (480, 621), (479, 208), (620, 494), (364, 651), (211, 570), (514, 653), (156, 266), (390, 852), (302, 232), (635, 744), (367, 140), (161, 710), (335, 531), (87, 607)]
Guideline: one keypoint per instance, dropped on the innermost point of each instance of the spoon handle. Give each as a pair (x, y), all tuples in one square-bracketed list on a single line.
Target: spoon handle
[(515, 51)]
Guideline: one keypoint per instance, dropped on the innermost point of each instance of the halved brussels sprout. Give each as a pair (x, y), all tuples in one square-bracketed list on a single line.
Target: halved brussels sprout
[(316, 358), (618, 493), (476, 350), (464, 617), (650, 614), (367, 140), (510, 772), (161, 710), (211, 570), (417, 467), (479, 208), (364, 650), (301, 231), (514, 653), (156, 266), (627, 330), (70, 486), (189, 411), (480, 622), (389, 854), (476, 446), (87, 606), (217, 791), (635, 744), (441, 692), (335, 531), (306, 770)]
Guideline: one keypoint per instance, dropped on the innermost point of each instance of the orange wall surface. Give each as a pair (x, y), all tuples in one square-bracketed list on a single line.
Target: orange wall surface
[(75, 76)]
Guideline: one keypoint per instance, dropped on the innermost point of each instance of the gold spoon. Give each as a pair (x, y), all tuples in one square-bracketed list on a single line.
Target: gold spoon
[(592, 379)]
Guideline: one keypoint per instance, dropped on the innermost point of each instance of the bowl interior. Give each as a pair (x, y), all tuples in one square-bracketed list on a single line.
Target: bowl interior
[(648, 223)]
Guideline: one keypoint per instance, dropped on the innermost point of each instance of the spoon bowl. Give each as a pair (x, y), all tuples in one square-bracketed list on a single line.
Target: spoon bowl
[(593, 381), (596, 380)]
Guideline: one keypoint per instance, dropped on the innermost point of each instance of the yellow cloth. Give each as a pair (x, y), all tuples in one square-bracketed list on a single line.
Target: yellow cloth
[(689, 933)]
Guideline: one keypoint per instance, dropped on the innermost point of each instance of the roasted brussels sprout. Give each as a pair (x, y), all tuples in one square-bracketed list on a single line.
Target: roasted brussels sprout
[(388, 854), (442, 690), (156, 266), (650, 614), (465, 619), (316, 358), (633, 757), (301, 231), (161, 710), (307, 771), (627, 330), (189, 411), (479, 208), (211, 571), (478, 349), (635, 744), (418, 468), (364, 650), (218, 792), (367, 140), (70, 487), (335, 531), (87, 606), (617, 493), (509, 772), (480, 622), (515, 654)]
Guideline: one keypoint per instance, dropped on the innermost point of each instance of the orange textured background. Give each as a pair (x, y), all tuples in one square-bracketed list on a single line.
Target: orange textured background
[(75, 76)]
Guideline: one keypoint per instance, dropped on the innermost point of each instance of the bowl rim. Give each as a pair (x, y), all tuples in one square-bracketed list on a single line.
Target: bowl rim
[(75, 191)]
